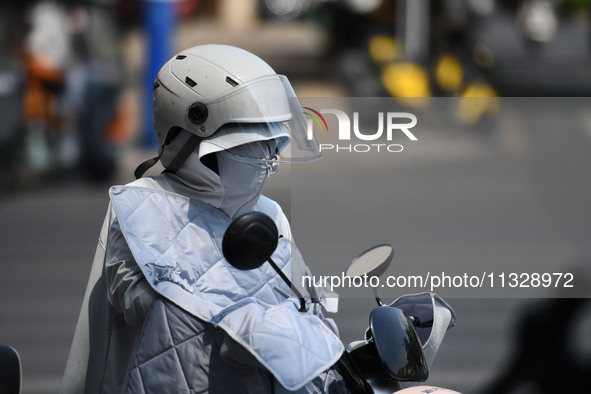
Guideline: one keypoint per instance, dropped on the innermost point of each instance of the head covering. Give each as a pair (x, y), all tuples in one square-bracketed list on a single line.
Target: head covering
[(236, 181)]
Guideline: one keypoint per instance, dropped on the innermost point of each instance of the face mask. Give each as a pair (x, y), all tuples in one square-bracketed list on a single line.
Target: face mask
[(243, 171)]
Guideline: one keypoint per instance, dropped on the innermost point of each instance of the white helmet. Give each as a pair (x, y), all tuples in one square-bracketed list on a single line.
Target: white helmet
[(207, 87)]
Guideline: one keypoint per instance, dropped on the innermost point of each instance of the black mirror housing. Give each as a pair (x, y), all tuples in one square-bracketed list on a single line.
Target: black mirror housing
[(394, 349), (10, 370), (250, 240)]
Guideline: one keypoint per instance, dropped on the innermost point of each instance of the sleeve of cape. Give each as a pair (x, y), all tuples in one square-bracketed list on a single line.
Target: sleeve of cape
[(127, 289), (74, 378)]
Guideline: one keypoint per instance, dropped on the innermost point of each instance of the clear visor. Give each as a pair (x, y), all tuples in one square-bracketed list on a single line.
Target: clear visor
[(263, 109)]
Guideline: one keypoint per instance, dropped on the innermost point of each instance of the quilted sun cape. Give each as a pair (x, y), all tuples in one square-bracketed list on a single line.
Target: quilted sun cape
[(177, 244)]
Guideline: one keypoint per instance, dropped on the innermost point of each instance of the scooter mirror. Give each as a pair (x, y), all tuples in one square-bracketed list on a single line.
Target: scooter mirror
[(250, 240), (372, 262), (10, 370), (394, 351), (398, 344)]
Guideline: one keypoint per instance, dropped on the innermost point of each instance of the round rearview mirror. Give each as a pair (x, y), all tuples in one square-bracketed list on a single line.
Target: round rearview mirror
[(250, 240), (372, 262)]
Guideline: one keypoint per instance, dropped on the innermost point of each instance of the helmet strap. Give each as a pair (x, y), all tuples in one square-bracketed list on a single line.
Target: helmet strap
[(178, 160), (145, 166), (184, 153)]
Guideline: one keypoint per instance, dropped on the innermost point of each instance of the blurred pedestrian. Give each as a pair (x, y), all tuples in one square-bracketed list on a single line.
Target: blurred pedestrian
[(47, 56), (97, 77), (13, 29)]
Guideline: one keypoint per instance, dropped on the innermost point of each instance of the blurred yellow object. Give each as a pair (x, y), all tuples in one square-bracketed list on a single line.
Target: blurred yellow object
[(407, 81), (477, 100), (383, 48), (449, 73), (483, 55)]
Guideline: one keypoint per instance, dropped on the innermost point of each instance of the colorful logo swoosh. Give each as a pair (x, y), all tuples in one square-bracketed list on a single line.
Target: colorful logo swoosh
[(317, 117)]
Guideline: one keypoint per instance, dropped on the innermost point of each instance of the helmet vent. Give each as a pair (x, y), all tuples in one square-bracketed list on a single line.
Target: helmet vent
[(231, 81), (190, 82), (181, 57)]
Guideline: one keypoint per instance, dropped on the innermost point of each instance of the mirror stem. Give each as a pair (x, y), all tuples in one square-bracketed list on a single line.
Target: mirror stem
[(286, 280), (377, 296)]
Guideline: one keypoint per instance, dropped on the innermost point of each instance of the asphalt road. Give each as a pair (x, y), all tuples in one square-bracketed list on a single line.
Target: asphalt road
[(512, 195)]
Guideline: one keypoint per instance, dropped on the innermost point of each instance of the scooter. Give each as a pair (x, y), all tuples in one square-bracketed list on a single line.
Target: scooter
[(399, 344)]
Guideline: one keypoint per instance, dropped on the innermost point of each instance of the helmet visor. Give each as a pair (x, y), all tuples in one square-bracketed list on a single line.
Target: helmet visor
[(262, 109)]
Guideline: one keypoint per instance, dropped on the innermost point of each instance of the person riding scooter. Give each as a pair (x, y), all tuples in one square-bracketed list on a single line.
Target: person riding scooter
[(164, 312)]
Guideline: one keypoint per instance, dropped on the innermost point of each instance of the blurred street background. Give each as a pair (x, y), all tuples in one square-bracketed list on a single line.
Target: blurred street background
[(501, 171)]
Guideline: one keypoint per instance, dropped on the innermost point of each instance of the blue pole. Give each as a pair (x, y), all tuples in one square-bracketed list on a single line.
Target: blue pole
[(159, 22)]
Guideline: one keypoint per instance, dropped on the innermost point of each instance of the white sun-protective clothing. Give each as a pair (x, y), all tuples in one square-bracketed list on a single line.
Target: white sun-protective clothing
[(164, 312), (182, 263)]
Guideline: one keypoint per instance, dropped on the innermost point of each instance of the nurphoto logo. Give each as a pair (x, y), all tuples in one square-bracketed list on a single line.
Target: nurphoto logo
[(389, 123)]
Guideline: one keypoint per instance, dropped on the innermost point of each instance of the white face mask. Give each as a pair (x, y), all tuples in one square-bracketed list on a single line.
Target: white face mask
[(243, 171)]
